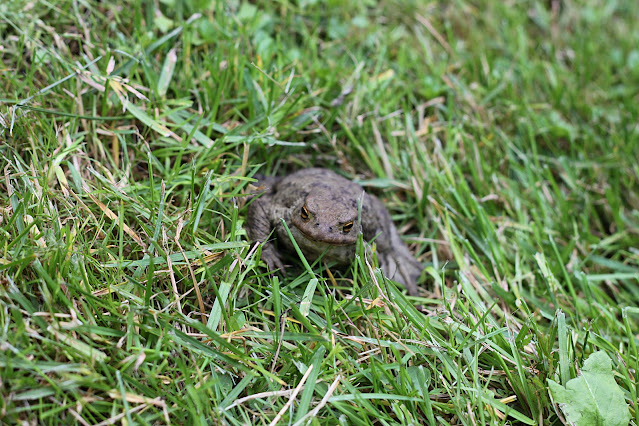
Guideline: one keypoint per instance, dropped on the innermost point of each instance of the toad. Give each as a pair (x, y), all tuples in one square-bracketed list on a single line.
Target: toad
[(321, 209)]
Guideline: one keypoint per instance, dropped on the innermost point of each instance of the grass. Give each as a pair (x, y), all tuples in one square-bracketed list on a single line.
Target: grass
[(502, 136)]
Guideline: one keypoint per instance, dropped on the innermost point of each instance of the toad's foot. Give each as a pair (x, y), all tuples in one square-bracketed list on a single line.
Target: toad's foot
[(272, 258), (403, 269)]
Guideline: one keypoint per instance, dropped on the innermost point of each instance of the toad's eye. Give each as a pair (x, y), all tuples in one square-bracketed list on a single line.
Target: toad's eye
[(304, 214), (346, 228)]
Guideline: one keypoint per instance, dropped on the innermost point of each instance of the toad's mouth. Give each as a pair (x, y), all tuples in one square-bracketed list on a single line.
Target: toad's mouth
[(327, 241)]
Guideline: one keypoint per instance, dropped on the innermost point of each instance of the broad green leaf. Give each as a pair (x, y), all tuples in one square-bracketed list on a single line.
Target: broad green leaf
[(593, 398)]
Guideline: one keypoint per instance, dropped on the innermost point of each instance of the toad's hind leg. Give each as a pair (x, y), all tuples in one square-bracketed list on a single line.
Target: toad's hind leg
[(399, 264), (395, 259)]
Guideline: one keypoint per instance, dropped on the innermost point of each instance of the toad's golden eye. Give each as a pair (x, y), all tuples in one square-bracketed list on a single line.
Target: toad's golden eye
[(304, 214), (346, 228)]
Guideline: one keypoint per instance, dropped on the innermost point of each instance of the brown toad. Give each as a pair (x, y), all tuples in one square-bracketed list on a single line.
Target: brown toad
[(320, 208)]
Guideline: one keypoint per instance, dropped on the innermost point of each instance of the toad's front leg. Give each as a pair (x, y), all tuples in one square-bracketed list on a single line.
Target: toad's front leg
[(259, 229)]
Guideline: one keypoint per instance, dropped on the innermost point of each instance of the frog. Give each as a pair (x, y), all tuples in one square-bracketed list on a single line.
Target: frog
[(325, 212)]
